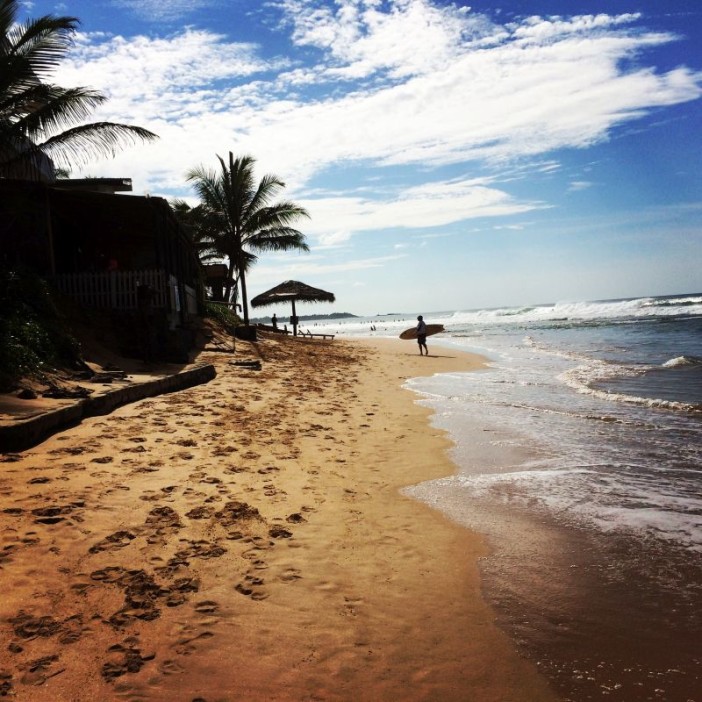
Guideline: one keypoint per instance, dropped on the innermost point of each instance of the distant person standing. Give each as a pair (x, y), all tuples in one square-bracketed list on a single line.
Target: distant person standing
[(422, 335), (274, 321)]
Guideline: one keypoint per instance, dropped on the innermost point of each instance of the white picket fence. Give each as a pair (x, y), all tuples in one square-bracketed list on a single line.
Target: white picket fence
[(115, 290)]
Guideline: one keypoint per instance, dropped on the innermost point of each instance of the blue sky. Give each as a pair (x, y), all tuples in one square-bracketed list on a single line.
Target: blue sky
[(451, 155)]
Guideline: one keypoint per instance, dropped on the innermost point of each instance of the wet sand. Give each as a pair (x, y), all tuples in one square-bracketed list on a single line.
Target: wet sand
[(246, 540), (604, 614)]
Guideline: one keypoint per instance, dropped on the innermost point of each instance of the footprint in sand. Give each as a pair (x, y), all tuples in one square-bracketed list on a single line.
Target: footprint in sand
[(201, 549), (290, 575), (111, 574), (176, 594), (52, 515), (6, 553), (135, 449), (141, 596), (5, 684), (102, 459), (81, 588), (185, 645), (27, 627), (250, 587), (234, 512), (38, 671), (153, 497), (258, 543), (170, 667), (163, 519), (234, 469), (145, 469), (125, 659), (259, 564), (119, 539), (278, 532), (271, 490), (72, 629), (210, 480), (13, 511), (200, 513)]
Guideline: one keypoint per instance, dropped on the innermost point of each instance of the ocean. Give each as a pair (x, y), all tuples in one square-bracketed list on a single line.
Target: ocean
[(586, 479)]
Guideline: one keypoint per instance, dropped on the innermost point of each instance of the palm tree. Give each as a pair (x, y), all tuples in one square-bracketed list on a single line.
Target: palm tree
[(37, 117), (243, 220)]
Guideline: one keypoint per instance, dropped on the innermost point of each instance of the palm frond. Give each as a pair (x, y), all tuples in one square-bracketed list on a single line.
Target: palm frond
[(47, 108), (81, 144), (36, 116)]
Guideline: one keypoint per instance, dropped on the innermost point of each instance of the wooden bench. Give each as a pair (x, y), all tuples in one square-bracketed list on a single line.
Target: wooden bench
[(321, 336), (305, 334)]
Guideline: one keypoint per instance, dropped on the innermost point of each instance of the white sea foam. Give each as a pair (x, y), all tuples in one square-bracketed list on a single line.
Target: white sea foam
[(567, 311), (583, 378), (635, 469), (559, 313), (682, 361), (584, 496)]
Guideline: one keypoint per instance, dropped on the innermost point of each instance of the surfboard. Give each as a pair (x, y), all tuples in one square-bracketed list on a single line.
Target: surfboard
[(411, 333)]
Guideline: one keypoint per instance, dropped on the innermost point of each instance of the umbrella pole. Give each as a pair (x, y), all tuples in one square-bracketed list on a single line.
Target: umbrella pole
[(294, 318)]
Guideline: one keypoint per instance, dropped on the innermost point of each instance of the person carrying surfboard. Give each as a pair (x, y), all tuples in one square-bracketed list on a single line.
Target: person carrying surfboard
[(422, 335)]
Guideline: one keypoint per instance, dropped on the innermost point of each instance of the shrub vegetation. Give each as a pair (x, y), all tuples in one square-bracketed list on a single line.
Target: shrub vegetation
[(33, 334)]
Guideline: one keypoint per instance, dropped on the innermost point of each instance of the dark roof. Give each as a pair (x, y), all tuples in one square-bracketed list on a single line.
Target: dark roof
[(100, 185)]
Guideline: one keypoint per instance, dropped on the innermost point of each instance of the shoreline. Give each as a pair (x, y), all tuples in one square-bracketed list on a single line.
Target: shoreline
[(246, 539), (600, 612)]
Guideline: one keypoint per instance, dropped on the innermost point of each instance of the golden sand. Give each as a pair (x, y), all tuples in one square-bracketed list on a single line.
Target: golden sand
[(246, 540)]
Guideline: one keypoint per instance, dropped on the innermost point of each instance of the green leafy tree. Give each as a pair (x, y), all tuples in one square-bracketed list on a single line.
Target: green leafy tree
[(242, 219), (42, 123), (196, 224)]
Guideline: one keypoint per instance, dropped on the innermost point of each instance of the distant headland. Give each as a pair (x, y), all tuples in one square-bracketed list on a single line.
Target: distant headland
[(311, 317)]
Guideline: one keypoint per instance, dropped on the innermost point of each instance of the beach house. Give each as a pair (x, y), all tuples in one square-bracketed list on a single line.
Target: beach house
[(124, 255)]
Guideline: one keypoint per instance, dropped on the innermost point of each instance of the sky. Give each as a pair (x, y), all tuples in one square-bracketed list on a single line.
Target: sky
[(451, 155)]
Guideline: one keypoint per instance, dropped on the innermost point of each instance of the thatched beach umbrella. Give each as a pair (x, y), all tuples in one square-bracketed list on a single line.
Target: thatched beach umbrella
[(294, 291)]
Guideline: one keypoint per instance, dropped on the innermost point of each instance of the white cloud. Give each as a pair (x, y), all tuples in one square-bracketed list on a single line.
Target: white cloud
[(186, 70), (333, 239), (361, 38), (432, 204), (476, 91)]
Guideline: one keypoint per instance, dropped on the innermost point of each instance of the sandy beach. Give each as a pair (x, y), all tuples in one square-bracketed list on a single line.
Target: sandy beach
[(246, 539)]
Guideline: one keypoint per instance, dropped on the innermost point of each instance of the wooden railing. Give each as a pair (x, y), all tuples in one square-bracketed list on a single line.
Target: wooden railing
[(115, 290)]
